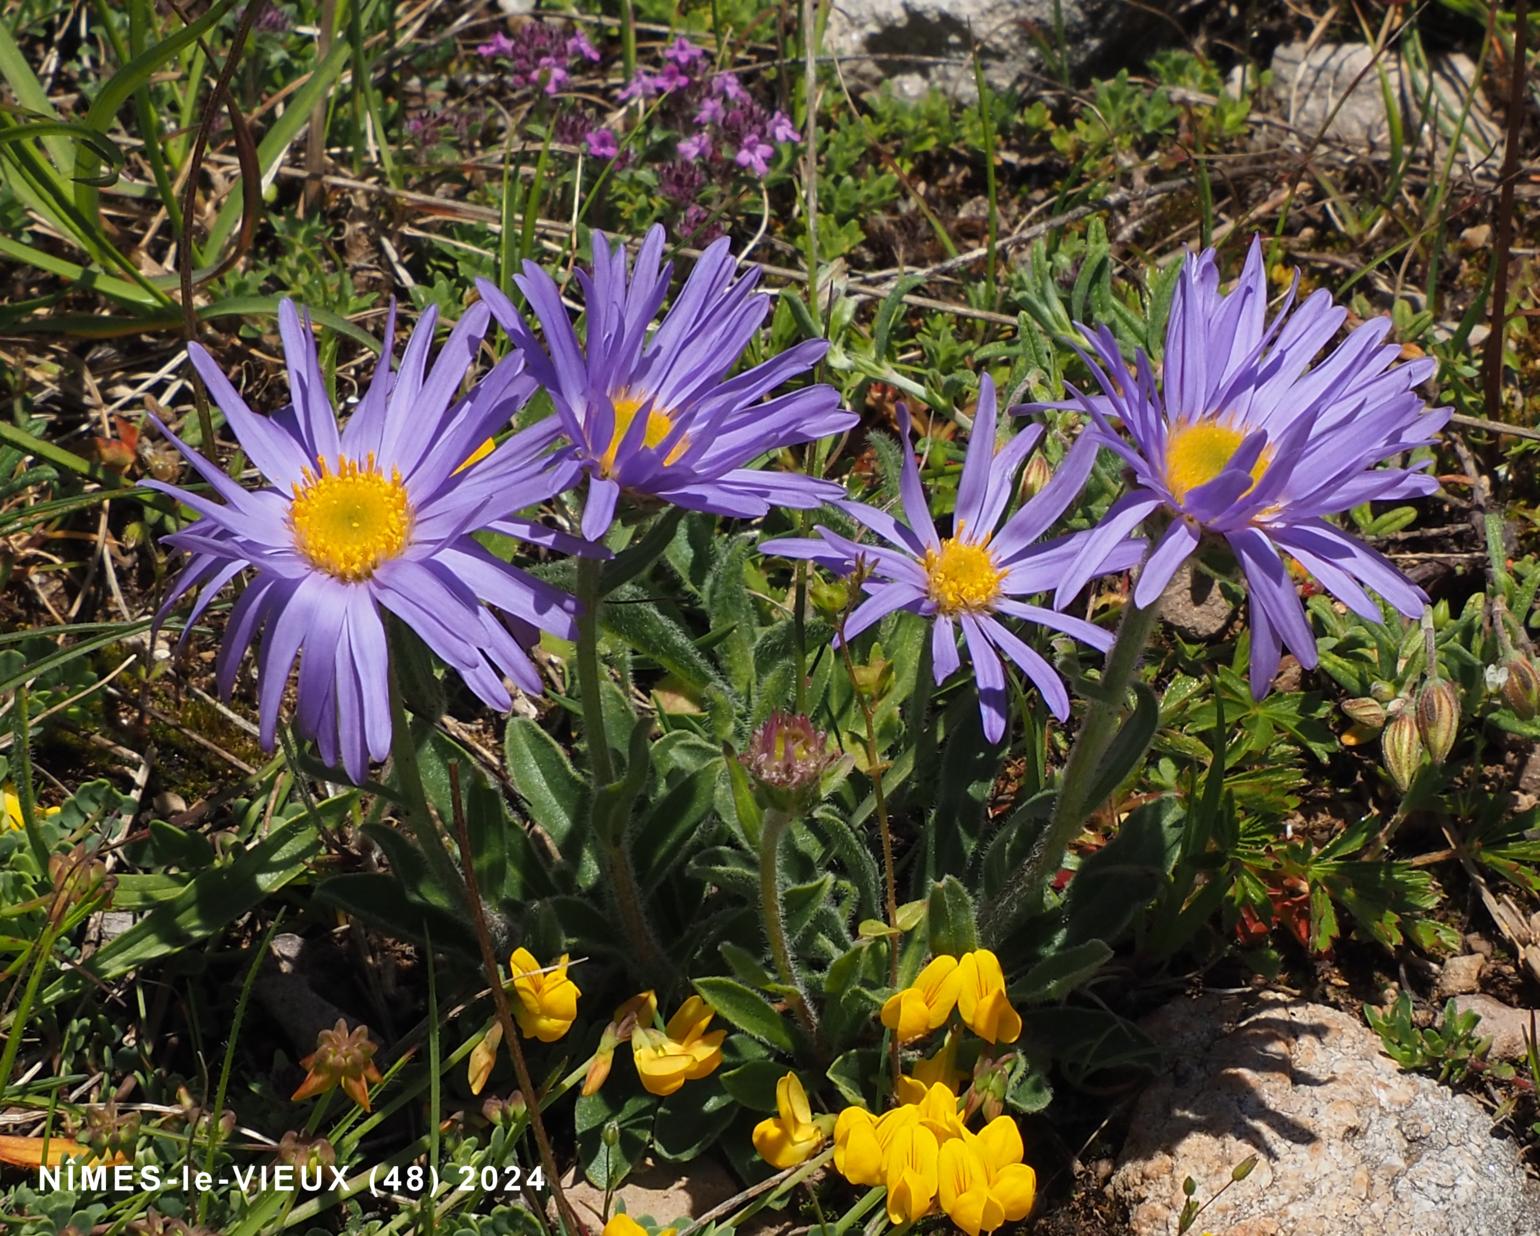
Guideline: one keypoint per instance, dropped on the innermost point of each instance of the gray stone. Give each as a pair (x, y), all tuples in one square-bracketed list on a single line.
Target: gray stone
[(1345, 1141), (1195, 605), (1459, 976), (914, 44), (1335, 89)]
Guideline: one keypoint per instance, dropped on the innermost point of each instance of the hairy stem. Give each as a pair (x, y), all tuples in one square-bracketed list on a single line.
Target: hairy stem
[(774, 828), (1024, 892), (614, 853), (408, 776)]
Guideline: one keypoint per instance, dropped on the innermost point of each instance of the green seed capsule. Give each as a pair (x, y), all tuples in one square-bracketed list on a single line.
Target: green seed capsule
[(1522, 687), (1365, 710), (1438, 717), (1401, 748)]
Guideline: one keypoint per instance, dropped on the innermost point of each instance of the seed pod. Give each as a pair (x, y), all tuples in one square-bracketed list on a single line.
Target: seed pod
[(1522, 687), (1401, 748), (1382, 690), (1438, 717), (1365, 710)]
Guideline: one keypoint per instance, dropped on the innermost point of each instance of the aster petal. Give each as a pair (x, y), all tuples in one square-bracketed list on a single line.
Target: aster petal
[(261, 599), (1032, 663), (988, 674), (944, 659), (1045, 507), (280, 645), (599, 510), (1087, 633), (508, 588), (279, 457), (1273, 591), (1174, 548), (312, 409), (1319, 538), (879, 603), (366, 425), (974, 483), (911, 492), (370, 662), (884, 525), (1122, 517), (811, 549)]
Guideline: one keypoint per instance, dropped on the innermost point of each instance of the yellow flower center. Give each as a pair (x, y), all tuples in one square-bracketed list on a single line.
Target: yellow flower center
[(1198, 451), (659, 425), (963, 577), (349, 521)]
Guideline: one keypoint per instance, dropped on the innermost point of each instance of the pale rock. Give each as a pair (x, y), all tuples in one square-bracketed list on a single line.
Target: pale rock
[(1335, 89), (1504, 1025), (1195, 605), (913, 44), (1345, 1141), (1459, 976)]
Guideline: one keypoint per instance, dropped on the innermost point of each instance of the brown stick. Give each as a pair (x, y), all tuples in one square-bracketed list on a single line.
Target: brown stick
[(504, 1013)]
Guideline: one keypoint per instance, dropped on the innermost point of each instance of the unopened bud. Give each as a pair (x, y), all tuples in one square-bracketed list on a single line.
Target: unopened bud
[(1438, 717), (1382, 690), (829, 598), (611, 1134), (1521, 689), (873, 679), (1365, 710), (1035, 476), (1401, 748), (787, 755)]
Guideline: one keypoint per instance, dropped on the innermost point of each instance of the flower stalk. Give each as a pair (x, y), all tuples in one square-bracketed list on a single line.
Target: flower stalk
[(774, 827), (1024, 892), (614, 854), (419, 817)]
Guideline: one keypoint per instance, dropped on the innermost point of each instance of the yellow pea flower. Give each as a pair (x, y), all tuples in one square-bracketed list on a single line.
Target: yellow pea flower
[(547, 1000), (913, 1161), (622, 1224), (13, 816), (682, 1052), (857, 1153), (789, 1137), (981, 1180), (640, 1010), (940, 1067), (982, 1001), (937, 1111), (926, 1003)]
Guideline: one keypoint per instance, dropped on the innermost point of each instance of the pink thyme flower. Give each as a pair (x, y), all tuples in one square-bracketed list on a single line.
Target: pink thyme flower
[(578, 45), (711, 111), (781, 128), (697, 146), (729, 87), (498, 45), (684, 53), (601, 143), (643, 86), (754, 154)]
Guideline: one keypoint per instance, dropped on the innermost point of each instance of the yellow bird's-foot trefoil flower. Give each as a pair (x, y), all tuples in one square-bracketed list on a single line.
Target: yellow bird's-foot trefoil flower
[(913, 1161), (13, 815), (681, 1052), (622, 1224), (793, 1135), (926, 1003), (639, 1010), (982, 1182), (547, 998), (981, 998)]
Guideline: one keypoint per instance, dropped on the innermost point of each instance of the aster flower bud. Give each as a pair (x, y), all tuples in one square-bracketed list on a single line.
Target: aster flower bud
[(1365, 710), (1035, 476), (1438, 717), (1401, 748), (787, 756), (873, 679), (1521, 688), (831, 598)]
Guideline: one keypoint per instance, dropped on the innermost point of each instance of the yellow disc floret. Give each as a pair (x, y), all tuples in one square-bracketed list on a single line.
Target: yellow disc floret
[(659, 425), (349, 521), (963, 577), (1198, 451)]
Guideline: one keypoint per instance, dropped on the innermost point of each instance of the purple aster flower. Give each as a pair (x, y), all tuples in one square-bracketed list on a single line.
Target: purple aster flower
[(754, 154), (498, 45), (977, 575), (376, 516), (782, 129), (696, 146), (601, 143), (653, 410), (1243, 439)]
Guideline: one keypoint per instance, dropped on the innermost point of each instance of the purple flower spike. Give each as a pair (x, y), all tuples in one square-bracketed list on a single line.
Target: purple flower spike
[(977, 575), (1243, 438), (374, 516), (653, 410)]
